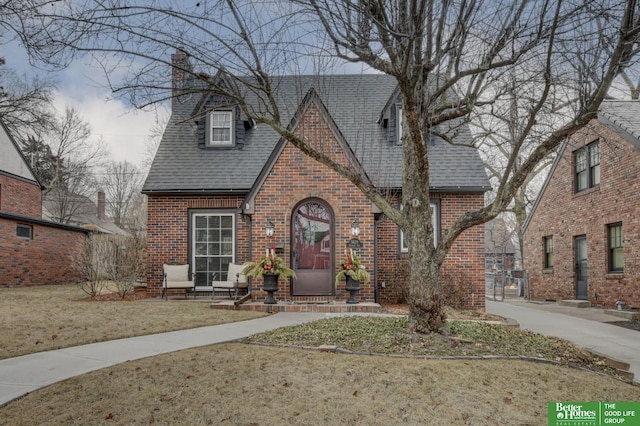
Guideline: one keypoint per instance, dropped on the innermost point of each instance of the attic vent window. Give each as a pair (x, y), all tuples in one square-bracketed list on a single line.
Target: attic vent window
[(24, 231), (220, 128)]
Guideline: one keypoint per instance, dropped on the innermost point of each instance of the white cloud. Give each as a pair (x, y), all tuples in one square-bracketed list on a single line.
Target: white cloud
[(125, 130), (82, 86)]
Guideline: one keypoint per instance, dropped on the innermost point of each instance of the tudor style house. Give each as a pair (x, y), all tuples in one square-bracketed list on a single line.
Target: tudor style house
[(582, 237), (218, 179), (33, 251)]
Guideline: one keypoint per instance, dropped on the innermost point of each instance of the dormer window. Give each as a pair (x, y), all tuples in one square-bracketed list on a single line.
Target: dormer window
[(220, 128)]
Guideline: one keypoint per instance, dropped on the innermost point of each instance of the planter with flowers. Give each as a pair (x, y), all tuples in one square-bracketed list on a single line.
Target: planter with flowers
[(354, 273), (270, 267)]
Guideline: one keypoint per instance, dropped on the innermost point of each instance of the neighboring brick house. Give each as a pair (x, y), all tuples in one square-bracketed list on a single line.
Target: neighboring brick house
[(582, 238), (218, 179), (32, 251)]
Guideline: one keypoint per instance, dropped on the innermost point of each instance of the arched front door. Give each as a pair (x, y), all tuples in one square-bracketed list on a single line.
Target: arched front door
[(312, 243)]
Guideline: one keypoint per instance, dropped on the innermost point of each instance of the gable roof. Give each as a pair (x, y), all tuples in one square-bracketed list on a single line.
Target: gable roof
[(85, 213), (354, 104), (623, 117), (12, 161)]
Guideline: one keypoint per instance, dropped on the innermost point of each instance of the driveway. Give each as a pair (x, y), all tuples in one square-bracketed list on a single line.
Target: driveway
[(585, 327)]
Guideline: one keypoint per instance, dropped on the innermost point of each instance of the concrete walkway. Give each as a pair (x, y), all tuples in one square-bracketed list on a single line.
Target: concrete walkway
[(21, 375), (583, 326)]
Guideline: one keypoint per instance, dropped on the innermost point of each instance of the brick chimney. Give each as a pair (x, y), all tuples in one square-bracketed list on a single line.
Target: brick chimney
[(180, 68), (101, 206)]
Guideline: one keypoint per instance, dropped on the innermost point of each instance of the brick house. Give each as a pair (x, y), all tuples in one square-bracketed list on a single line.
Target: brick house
[(582, 237), (218, 179), (32, 251)]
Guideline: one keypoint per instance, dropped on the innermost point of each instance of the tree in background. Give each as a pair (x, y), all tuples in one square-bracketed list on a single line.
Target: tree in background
[(25, 105), (122, 182), (71, 182), (452, 60)]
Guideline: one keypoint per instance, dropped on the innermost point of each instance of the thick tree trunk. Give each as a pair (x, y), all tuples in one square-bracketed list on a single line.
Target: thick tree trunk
[(426, 313)]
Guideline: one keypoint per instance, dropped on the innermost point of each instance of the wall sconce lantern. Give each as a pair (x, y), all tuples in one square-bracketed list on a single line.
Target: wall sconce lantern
[(355, 228), (270, 228)]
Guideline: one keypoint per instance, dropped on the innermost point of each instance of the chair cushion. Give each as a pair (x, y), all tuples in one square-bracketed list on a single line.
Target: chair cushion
[(179, 284), (224, 284), (237, 270), (177, 273)]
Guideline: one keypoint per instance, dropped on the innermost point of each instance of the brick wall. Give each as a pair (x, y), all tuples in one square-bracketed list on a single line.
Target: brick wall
[(49, 258), (20, 197), (295, 178), (465, 261), (563, 214), (168, 231)]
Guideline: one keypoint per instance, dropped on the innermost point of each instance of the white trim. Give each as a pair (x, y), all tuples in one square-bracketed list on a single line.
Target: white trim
[(434, 222), (399, 117), (225, 114), (193, 220)]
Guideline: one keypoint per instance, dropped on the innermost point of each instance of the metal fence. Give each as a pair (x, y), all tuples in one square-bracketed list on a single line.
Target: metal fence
[(506, 284)]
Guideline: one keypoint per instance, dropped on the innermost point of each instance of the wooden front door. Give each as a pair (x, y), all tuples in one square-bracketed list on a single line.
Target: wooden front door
[(313, 253)]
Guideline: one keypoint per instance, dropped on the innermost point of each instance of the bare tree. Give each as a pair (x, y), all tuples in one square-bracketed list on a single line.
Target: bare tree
[(498, 128), (122, 183), (25, 104), (450, 59), (75, 154)]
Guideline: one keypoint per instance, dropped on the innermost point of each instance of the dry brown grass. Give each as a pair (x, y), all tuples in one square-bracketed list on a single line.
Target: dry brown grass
[(37, 319), (239, 384), (242, 384)]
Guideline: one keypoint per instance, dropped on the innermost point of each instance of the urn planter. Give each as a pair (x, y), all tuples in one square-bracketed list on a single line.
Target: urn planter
[(353, 287), (270, 286)]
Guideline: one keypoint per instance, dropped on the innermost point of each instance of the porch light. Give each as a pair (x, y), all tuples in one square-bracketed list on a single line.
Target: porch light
[(355, 228), (270, 228)]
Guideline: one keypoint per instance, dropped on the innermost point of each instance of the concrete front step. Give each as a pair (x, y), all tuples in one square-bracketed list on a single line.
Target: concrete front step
[(628, 315), (334, 307), (575, 303)]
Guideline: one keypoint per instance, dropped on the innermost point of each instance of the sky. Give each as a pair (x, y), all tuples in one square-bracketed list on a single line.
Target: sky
[(124, 129)]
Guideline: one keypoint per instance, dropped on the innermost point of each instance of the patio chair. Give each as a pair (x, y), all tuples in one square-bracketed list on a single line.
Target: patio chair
[(235, 280), (176, 277)]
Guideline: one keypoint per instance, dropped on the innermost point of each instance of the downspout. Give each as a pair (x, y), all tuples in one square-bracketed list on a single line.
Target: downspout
[(250, 248), (247, 297), (376, 291)]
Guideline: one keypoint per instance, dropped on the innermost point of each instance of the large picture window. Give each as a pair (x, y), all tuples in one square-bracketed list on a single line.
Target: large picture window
[(587, 166), (616, 256), (404, 247), (213, 248)]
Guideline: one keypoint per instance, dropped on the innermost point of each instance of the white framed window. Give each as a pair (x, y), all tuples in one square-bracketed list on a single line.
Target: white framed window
[(404, 248), (220, 128), (212, 246), (399, 126)]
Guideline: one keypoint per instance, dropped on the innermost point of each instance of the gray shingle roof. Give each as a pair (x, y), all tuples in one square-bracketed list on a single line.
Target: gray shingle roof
[(625, 115), (354, 102)]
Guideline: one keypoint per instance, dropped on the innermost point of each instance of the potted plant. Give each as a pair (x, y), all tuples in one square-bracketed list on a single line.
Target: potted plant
[(354, 273), (270, 267)]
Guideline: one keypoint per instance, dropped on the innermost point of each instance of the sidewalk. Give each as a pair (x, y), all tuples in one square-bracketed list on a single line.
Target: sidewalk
[(585, 327), (21, 375)]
